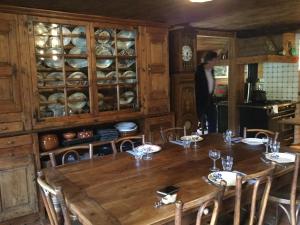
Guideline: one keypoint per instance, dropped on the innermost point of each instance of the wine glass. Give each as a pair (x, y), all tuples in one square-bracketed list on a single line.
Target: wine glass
[(214, 155), (148, 151), (194, 138)]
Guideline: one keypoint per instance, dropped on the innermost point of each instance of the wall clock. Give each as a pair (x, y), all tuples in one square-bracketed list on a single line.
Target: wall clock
[(187, 53)]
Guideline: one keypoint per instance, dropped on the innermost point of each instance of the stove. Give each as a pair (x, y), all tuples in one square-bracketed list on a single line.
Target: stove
[(266, 115)]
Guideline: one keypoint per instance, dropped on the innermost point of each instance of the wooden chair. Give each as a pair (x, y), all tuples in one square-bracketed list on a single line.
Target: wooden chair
[(211, 201), (130, 141), (263, 178), (261, 132), (52, 196), (288, 197), (102, 143), (172, 134), (72, 151)]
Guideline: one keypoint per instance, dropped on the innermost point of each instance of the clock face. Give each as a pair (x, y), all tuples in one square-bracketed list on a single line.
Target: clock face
[(187, 53)]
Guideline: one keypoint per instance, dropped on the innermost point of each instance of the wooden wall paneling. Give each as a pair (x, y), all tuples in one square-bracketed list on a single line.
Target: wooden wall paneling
[(183, 101), (10, 75), (157, 70), (235, 86)]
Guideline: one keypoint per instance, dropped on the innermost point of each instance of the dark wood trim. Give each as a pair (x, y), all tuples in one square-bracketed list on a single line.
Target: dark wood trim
[(214, 33), (75, 16)]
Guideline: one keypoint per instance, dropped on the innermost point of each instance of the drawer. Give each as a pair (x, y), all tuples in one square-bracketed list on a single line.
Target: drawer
[(9, 142), (11, 127)]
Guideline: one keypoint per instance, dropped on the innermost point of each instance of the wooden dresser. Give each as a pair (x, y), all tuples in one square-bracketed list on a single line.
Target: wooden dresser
[(44, 87)]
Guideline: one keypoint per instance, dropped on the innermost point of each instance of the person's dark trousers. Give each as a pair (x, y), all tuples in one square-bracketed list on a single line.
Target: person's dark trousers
[(211, 117)]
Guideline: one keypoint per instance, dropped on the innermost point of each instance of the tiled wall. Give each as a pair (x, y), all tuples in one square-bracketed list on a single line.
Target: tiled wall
[(281, 81)]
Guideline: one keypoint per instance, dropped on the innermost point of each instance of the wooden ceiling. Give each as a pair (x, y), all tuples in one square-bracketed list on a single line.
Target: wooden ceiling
[(229, 15), (212, 43)]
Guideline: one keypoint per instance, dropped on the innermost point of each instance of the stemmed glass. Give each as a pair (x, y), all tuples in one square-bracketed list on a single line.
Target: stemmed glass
[(214, 155), (275, 148), (147, 151), (194, 138)]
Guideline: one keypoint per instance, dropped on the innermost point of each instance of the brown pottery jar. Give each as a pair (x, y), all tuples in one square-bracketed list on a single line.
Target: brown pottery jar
[(49, 142)]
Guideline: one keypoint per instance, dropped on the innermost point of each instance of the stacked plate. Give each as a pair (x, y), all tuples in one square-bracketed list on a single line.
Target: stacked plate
[(126, 127), (253, 141)]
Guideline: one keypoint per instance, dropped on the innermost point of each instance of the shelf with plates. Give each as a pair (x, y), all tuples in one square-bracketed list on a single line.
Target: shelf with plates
[(62, 74), (116, 68)]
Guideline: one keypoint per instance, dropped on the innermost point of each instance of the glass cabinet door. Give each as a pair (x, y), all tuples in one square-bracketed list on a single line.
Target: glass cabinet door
[(62, 69), (117, 79)]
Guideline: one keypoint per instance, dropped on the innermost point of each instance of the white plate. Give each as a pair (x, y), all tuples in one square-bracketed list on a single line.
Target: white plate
[(43, 100), (56, 60), (79, 101), (82, 79), (253, 141), (104, 63), (129, 125), (281, 157), (79, 41), (228, 176), (56, 99), (55, 79), (104, 35), (154, 148), (55, 41), (192, 138), (104, 50), (78, 63), (100, 99), (127, 34), (125, 44), (127, 97), (130, 77)]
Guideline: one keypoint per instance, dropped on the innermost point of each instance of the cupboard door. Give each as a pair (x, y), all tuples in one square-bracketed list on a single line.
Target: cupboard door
[(9, 77), (157, 69), (183, 101), (153, 126), (17, 187)]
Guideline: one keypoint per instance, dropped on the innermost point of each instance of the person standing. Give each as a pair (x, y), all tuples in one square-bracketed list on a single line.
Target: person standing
[(204, 90)]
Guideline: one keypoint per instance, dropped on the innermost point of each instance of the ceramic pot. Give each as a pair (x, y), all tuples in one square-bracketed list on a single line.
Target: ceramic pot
[(69, 135), (85, 134), (49, 142)]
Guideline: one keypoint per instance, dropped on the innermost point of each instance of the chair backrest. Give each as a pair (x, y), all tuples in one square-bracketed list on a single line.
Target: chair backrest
[(103, 143), (71, 153), (262, 178), (261, 133), (211, 201), (49, 195), (293, 197), (130, 140), (172, 134)]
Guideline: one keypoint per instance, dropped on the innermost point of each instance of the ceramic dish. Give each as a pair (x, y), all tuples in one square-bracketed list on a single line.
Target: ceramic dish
[(153, 148), (125, 44), (100, 99), (229, 177), (111, 77), (55, 61), (103, 35), (79, 41), (78, 63), (104, 50), (192, 138), (127, 52), (82, 79), (281, 157), (253, 141), (127, 97), (40, 79), (43, 101), (77, 101), (123, 64), (127, 125), (104, 63), (55, 79), (55, 41), (127, 34), (56, 100), (40, 29), (130, 77), (101, 77)]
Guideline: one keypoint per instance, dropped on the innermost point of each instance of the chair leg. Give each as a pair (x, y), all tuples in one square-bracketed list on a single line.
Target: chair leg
[(276, 214)]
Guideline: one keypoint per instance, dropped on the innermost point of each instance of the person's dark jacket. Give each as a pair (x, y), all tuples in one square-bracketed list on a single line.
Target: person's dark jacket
[(203, 97)]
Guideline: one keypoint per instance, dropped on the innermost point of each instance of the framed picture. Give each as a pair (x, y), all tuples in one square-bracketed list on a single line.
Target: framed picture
[(221, 71)]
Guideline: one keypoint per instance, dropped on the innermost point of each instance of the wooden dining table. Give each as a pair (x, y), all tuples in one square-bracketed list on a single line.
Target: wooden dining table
[(118, 189)]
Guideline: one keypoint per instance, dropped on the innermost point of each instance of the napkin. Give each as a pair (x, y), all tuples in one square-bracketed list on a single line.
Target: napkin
[(236, 139)]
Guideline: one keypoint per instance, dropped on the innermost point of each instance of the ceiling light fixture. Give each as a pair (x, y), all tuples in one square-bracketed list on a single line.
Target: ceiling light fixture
[(200, 1)]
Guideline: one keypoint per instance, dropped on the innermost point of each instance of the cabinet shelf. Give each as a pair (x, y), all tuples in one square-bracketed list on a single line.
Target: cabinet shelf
[(72, 56)]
